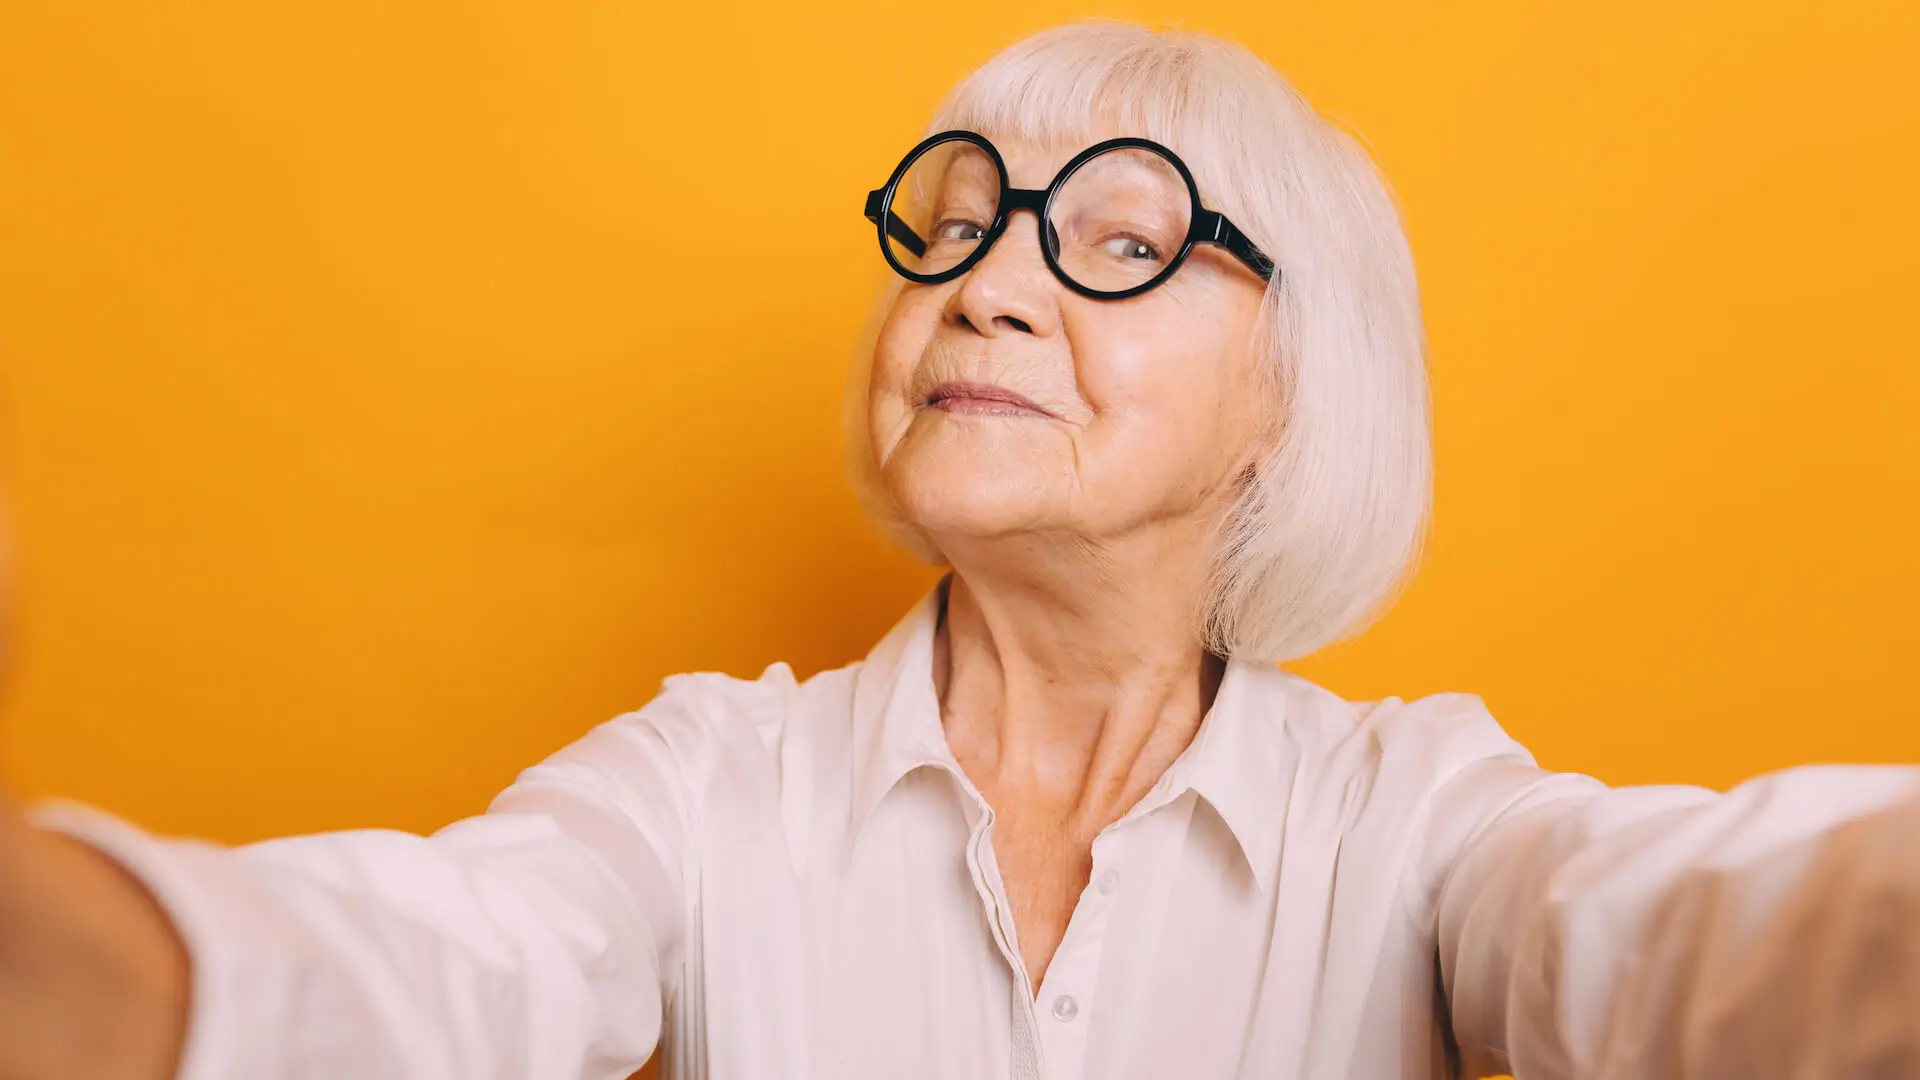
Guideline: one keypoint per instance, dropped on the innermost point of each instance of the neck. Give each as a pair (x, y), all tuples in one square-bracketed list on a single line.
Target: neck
[(1071, 674)]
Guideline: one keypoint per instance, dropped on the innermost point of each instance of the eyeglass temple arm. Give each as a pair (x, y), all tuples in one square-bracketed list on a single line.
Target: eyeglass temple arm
[(1212, 227), (896, 228)]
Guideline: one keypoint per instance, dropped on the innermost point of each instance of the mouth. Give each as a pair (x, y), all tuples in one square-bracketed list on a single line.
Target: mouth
[(981, 399)]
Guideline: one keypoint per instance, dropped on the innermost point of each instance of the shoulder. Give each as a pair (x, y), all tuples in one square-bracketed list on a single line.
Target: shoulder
[(1393, 769), (707, 716), (700, 727), (1421, 780), (1406, 784), (1437, 734)]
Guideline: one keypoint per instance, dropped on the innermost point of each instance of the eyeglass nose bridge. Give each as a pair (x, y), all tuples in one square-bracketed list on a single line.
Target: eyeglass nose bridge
[(1023, 199), (1035, 200)]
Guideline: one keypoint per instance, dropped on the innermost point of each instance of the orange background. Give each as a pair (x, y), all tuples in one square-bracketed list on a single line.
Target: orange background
[(393, 391)]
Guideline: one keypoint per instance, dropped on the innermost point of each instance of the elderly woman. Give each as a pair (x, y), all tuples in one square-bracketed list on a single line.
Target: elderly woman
[(1152, 386)]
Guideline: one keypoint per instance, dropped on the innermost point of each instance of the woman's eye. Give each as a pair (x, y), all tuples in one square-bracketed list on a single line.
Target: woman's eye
[(1127, 247), (958, 230)]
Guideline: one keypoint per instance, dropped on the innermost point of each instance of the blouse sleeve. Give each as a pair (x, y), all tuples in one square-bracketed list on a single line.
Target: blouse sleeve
[(1673, 932), (529, 941)]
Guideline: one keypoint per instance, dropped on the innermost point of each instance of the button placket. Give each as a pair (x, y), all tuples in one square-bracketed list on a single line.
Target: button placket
[(1026, 1043), (1067, 992)]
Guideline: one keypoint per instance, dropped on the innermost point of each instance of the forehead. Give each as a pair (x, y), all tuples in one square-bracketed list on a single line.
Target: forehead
[(1063, 92), (1033, 163)]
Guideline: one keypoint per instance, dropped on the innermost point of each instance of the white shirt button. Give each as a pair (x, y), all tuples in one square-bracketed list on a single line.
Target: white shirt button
[(1065, 1008), (1108, 881)]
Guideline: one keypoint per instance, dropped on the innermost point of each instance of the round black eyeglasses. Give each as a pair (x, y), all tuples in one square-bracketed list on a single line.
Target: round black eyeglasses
[(1117, 220)]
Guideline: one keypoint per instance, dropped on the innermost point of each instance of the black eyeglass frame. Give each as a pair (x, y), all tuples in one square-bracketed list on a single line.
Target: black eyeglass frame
[(1208, 226)]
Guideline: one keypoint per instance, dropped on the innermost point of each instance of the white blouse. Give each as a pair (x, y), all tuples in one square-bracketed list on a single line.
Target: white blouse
[(774, 879)]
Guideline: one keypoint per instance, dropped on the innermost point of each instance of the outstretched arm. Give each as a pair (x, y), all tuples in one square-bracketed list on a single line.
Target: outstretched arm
[(1677, 933), (525, 942)]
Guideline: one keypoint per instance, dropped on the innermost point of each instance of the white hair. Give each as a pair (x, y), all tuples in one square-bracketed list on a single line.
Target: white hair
[(1330, 524)]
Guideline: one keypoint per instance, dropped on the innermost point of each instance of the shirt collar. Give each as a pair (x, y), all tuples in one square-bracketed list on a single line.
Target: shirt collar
[(1240, 761), (896, 714), (1242, 764)]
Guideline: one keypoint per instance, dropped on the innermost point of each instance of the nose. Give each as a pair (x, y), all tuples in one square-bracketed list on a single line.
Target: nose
[(1010, 290)]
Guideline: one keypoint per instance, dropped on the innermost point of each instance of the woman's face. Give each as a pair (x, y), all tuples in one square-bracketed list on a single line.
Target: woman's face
[(1003, 402)]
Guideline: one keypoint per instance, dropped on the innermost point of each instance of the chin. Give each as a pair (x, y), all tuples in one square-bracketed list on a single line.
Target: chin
[(964, 499), (971, 480)]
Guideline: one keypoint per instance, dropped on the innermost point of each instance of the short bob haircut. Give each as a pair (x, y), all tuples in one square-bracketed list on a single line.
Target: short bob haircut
[(1330, 524)]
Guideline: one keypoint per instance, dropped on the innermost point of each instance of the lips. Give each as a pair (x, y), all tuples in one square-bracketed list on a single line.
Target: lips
[(981, 399)]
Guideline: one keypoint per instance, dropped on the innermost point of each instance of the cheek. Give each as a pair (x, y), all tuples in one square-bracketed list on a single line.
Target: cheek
[(1175, 389), (1172, 372), (903, 338)]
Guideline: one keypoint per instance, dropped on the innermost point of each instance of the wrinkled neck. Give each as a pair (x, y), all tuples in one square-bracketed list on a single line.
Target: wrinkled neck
[(1074, 683)]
